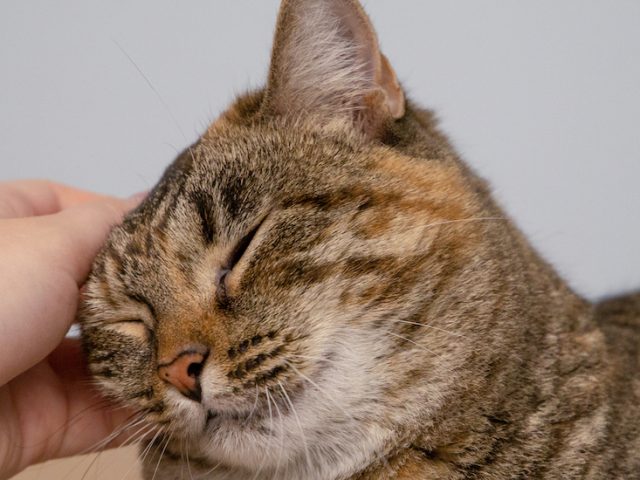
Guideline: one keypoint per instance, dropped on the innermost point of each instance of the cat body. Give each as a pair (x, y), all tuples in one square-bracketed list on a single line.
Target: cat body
[(319, 288)]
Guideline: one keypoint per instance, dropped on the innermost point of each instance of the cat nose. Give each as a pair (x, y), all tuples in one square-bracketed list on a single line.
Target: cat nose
[(183, 372)]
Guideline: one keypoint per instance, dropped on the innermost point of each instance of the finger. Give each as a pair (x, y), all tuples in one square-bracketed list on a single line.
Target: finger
[(44, 260), (26, 198), (39, 304)]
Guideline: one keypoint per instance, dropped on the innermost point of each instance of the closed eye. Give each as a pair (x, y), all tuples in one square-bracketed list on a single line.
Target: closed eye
[(131, 327), (133, 321), (229, 276), (241, 247)]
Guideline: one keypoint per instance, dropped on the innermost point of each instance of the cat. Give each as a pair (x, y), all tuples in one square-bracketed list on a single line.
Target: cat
[(319, 288)]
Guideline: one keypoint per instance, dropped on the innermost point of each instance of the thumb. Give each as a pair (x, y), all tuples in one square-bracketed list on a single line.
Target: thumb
[(44, 260)]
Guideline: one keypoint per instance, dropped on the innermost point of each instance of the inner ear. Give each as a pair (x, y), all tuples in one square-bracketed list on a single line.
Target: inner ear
[(326, 63)]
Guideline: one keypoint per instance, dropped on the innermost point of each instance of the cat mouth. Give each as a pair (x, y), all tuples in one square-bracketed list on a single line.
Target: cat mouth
[(216, 418), (211, 416)]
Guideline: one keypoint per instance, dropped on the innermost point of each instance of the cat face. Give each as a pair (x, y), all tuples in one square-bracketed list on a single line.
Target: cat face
[(277, 298)]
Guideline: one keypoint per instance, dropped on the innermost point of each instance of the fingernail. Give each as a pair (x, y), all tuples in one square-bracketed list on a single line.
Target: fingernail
[(138, 197), (135, 199)]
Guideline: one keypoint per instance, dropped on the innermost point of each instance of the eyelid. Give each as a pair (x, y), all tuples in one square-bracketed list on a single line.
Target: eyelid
[(229, 276), (243, 244), (132, 321), (131, 327), (221, 284)]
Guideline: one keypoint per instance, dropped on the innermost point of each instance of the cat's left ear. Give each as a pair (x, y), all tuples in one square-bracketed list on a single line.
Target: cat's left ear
[(327, 63)]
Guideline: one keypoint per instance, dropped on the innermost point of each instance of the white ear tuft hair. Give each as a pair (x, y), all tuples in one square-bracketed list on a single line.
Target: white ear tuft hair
[(326, 62)]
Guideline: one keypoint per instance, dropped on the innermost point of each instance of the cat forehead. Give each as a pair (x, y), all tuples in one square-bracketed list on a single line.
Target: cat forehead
[(226, 178), (238, 166), (279, 145), (235, 169)]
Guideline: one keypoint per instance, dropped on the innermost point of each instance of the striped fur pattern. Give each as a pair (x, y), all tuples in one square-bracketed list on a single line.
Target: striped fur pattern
[(368, 310)]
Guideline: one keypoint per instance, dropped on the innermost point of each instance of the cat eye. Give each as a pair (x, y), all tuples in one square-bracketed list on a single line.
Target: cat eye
[(222, 285), (241, 247), (132, 327), (133, 321), (236, 255)]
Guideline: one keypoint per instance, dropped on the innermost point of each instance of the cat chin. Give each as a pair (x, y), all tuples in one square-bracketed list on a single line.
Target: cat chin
[(255, 453), (230, 447)]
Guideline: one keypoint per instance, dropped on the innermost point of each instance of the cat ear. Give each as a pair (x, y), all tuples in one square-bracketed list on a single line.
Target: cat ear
[(326, 62)]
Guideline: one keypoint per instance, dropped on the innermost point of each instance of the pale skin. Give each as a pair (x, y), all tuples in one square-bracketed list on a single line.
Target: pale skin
[(49, 235)]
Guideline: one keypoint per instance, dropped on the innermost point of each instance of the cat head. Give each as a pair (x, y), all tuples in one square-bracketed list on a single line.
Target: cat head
[(283, 294)]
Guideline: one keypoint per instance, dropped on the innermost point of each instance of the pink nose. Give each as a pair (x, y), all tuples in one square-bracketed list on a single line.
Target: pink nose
[(183, 372)]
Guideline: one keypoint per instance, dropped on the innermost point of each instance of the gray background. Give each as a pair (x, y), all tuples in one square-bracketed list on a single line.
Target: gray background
[(542, 98)]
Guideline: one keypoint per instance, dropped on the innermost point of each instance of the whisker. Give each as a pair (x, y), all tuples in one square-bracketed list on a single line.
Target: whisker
[(81, 462), (275, 404), (186, 452), (304, 438), (320, 390), (69, 423), (253, 409), (142, 454), (206, 474), (149, 447), (182, 459), (266, 391), (138, 435), (134, 420), (459, 220), (93, 461), (315, 358), (164, 449), (456, 334), (329, 397), (146, 79), (281, 443), (422, 347)]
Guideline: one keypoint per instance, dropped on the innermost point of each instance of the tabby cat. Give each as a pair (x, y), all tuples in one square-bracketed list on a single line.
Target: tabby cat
[(319, 288)]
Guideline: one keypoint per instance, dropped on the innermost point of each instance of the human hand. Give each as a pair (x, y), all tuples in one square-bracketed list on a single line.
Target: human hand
[(49, 235)]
